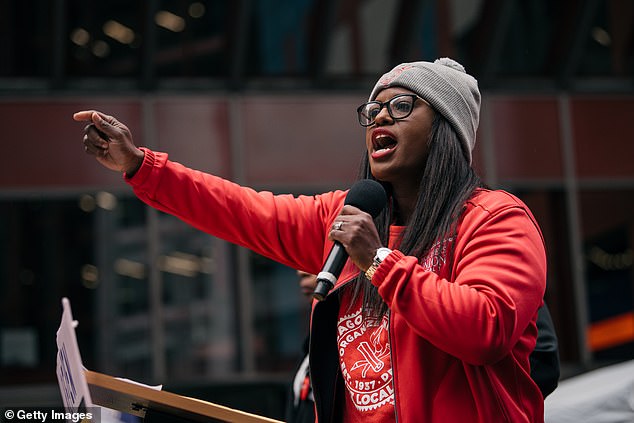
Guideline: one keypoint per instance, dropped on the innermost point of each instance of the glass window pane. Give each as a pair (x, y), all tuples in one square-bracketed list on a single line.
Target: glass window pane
[(192, 38), (198, 303), (105, 39), (46, 253), (26, 38), (281, 315), (608, 242)]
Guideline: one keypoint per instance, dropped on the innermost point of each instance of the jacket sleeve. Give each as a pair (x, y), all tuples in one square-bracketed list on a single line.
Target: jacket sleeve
[(497, 285), (288, 229)]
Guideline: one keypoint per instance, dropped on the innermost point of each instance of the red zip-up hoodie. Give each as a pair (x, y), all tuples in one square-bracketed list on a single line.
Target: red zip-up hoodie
[(460, 338)]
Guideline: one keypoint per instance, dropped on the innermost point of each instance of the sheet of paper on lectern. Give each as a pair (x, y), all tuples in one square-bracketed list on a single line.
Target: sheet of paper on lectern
[(70, 371)]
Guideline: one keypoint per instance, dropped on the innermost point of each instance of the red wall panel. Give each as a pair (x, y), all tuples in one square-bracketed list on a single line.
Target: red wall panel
[(526, 137), (603, 130), (303, 141), (43, 144), (299, 141), (195, 132)]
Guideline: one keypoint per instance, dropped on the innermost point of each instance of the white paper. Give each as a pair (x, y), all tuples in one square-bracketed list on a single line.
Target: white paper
[(70, 371)]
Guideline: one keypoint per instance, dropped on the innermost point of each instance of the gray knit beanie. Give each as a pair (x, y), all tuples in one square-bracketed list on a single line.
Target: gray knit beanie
[(447, 87)]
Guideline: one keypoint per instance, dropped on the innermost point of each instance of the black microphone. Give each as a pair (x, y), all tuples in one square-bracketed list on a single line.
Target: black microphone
[(367, 195)]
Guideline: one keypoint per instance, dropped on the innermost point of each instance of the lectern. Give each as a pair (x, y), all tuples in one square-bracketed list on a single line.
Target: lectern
[(82, 389)]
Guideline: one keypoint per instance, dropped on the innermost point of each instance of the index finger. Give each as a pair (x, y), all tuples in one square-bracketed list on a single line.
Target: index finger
[(84, 115), (350, 209)]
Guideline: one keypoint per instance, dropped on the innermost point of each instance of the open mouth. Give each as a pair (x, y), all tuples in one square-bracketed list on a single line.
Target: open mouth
[(383, 142)]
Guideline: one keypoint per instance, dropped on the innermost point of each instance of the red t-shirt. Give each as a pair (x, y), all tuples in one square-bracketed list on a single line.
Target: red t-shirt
[(364, 356), (365, 360)]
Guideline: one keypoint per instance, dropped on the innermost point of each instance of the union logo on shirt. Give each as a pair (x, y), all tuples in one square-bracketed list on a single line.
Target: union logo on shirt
[(364, 353)]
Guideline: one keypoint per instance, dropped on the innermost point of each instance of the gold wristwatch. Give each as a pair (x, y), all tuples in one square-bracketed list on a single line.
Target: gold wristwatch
[(379, 256)]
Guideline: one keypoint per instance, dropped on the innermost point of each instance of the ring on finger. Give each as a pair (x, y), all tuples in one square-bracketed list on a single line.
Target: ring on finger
[(337, 226)]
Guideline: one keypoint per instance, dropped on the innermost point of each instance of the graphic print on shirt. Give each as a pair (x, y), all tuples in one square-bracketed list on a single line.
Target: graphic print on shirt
[(437, 256), (364, 347), (364, 352)]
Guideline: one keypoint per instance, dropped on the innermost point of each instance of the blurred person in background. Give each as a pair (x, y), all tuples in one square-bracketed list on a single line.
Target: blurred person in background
[(301, 403)]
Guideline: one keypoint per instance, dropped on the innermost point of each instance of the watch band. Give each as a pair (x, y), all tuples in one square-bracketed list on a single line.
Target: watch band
[(379, 256)]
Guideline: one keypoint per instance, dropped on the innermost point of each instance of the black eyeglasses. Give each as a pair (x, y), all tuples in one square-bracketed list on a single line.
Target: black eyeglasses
[(399, 107)]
